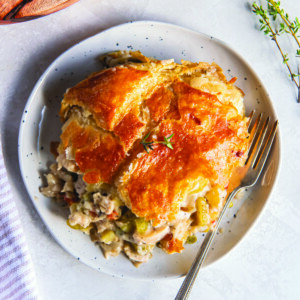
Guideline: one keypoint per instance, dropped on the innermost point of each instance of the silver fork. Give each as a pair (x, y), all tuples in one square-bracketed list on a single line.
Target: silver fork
[(257, 155)]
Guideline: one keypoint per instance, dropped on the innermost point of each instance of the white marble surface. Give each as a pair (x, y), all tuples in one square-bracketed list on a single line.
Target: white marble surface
[(266, 264)]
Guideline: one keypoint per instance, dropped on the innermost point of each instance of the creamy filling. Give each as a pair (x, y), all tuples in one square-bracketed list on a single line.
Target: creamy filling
[(97, 210)]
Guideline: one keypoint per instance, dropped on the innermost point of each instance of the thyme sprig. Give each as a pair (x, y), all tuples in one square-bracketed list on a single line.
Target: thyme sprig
[(274, 30), (149, 145)]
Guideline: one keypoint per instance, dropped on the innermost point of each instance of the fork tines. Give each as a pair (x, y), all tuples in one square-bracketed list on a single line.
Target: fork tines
[(260, 144)]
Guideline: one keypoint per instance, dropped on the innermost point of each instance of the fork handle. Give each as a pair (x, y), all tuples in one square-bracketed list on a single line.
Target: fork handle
[(189, 280)]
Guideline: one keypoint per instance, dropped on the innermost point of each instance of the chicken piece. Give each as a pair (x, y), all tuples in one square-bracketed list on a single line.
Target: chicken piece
[(54, 187), (107, 205), (68, 187), (70, 165), (151, 236), (134, 256), (61, 173), (104, 225), (78, 218), (180, 230), (80, 186), (113, 249)]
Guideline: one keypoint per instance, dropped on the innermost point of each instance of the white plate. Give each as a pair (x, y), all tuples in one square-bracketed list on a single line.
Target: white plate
[(40, 124)]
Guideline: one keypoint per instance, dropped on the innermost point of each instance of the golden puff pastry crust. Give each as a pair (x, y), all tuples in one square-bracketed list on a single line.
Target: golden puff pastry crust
[(108, 114), (210, 141)]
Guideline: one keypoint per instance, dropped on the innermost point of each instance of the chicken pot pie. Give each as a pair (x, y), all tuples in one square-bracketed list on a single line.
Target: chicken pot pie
[(147, 151)]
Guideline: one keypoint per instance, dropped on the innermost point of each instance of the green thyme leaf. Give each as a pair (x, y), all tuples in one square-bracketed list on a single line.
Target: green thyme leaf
[(274, 22), (149, 145)]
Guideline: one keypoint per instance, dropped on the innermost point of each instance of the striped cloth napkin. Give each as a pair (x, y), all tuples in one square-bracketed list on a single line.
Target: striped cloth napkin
[(17, 278)]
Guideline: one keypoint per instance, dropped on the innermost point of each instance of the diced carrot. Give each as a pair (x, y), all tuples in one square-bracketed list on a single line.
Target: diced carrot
[(232, 80), (113, 216), (174, 246), (93, 214), (69, 200), (168, 237)]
